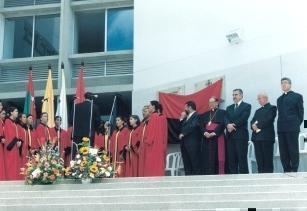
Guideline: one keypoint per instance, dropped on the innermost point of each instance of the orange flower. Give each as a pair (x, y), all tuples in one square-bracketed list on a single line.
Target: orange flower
[(52, 177)]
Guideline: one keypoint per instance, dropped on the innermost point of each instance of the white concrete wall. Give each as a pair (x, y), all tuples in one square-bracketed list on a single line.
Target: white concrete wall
[(180, 43)]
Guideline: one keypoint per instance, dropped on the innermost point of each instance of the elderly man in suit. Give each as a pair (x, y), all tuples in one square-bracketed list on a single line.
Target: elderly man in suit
[(290, 117), (190, 137), (263, 135), (236, 121)]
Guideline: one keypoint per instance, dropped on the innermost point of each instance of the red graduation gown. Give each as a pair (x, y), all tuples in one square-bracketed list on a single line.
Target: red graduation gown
[(155, 143), (119, 140), (33, 143), (141, 158), (43, 134), (62, 139), (22, 132), (132, 156), (12, 158), (2, 157), (101, 141)]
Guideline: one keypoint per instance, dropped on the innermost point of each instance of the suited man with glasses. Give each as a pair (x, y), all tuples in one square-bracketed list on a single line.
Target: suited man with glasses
[(236, 123)]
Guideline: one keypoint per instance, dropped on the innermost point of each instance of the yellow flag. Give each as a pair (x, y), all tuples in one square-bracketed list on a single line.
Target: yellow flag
[(48, 105)]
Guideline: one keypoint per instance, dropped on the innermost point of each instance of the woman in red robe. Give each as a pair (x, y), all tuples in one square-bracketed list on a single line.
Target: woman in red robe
[(23, 135), (43, 133), (99, 139), (118, 142), (143, 133), (132, 149), (62, 140), (155, 142), (2, 144), (33, 144), (13, 146)]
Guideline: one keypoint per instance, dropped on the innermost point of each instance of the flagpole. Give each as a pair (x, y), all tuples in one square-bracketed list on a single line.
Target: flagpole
[(109, 131)]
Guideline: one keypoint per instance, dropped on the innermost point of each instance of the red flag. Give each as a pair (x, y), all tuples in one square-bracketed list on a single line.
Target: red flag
[(80, 87), (173, 104), (29, 106)]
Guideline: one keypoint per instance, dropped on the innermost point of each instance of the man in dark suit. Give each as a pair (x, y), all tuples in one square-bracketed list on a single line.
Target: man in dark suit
[(263, 135), (237, 116), (290, 117), (190, 137)]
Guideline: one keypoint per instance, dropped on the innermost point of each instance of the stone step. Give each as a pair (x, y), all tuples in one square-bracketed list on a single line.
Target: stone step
[(137, 198), (153, 184), (189, 178), (153, 191), (286, 205)]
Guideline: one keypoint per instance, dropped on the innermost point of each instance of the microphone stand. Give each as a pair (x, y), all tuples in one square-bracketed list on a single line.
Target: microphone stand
[(73, 132), (91, 117)]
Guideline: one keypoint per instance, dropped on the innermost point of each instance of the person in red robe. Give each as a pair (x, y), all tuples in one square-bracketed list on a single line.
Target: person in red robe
[(155, 142), (13, 146), (23, 135), (132, 149), (118, 142), (99, 140), (2, 144), (143, 133), (62, 140), (43, 134), (31, 133)]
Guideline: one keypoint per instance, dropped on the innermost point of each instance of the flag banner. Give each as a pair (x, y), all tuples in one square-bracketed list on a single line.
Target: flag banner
[(80, 90), (48, 101), (62, 102), (29, 105), (173, 106)]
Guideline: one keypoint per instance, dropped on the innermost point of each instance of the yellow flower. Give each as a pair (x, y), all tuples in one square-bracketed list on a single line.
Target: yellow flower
[(94, 169), (85, 139), (84, 150), (83, 163), (105, 157)]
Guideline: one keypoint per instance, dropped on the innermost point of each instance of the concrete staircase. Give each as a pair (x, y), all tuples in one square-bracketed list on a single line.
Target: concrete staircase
[(238, 192)]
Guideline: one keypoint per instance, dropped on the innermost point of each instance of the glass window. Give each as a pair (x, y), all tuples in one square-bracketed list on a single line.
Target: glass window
[(90, 31), (46, 39), (120, 29), (18, 37)]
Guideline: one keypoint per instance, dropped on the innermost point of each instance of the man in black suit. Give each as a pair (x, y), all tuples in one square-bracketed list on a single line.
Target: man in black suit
[(263, 135), (190, 137), (290, 117), (237, 116)]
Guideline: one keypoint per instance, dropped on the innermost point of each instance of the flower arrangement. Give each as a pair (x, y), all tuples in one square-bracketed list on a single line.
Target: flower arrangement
[(43, 167), (89, 163)]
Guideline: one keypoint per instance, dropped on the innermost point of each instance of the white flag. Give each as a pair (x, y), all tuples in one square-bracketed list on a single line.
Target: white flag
[(62, 103)]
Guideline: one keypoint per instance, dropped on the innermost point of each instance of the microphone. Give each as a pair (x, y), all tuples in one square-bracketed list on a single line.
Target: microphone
[(93, 95)]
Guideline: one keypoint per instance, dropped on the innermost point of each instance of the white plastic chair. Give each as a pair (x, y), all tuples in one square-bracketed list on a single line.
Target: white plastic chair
[(180, 164), (250, 156), (172, 163)]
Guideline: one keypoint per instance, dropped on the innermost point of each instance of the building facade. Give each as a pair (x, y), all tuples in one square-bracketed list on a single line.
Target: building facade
[(41, 32)]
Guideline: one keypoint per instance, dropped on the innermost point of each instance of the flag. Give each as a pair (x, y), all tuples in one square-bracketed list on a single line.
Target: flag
[(62, 102), (29, 106), (80, 87), (173, 105), (48, 104)]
